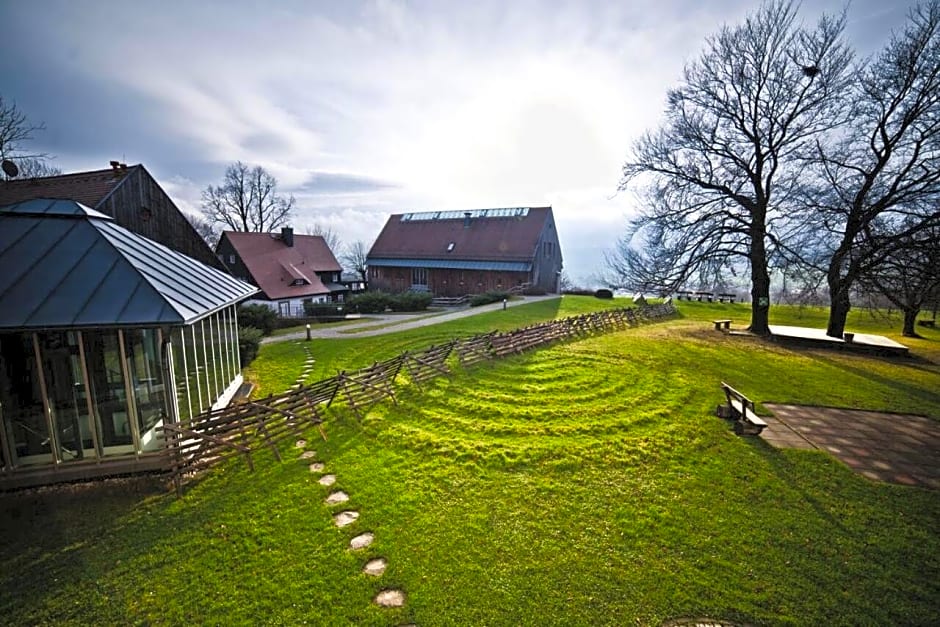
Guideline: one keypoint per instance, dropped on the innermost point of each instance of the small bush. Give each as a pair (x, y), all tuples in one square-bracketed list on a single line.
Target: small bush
[(249, 341), (604, 293), (257, 316), (578, 291), (323, 310), (369, 302), (410, 301), (486, 298), (534, 291)]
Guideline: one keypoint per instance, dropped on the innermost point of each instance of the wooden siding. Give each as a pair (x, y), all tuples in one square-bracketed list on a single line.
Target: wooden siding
[(445, 282), (139, 204)]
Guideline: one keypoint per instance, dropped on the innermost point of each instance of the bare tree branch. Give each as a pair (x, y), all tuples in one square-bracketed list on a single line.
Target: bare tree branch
[(247, 200)]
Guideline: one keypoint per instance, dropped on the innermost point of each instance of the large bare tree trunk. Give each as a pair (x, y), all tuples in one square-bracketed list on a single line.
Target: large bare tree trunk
[(760, 281), (910, 318)]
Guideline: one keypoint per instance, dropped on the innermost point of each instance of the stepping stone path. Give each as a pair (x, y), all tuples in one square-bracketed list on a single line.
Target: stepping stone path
[(390, 598), (362, 540), (308, 366), (337, 497), (376, 566)]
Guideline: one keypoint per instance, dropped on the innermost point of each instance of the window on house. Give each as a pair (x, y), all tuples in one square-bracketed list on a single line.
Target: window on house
[(450, 247), (231, 258), (299, 282)]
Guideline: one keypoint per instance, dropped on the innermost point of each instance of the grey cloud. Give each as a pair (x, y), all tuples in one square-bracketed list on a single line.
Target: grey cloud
[(332, 183)]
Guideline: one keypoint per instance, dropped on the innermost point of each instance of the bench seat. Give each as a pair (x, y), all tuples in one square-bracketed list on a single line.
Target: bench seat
[(721, 323), (741, 409)]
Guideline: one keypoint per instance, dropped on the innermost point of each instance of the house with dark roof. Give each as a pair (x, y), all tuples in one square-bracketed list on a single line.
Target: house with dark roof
[(290, 269), (129, 194), (453, 253), (105, 337)]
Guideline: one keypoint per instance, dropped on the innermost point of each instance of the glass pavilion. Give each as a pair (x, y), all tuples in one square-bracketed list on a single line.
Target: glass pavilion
[(104, 337)]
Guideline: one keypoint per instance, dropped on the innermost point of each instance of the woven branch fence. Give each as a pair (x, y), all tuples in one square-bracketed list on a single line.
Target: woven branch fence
[(243, 428)]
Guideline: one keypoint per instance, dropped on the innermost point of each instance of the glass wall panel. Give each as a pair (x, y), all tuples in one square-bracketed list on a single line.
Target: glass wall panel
[(23, 413), (192, 370), (200, 346), (233, 342), (183, 393), (109, 396), (65, 389), (144, 365), (218, 348), (226, 364)]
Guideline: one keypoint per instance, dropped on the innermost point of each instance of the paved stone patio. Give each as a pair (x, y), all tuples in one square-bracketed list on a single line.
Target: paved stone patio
[(896, 448)]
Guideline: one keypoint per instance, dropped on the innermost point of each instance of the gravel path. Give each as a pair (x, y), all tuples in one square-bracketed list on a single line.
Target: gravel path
[(399, 322)]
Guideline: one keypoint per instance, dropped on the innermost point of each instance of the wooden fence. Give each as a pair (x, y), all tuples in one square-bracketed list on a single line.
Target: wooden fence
[(245, 427)]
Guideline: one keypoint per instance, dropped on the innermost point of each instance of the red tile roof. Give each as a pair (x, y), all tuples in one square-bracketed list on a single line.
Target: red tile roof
[(88, 188), (274, 265), (485, 239)]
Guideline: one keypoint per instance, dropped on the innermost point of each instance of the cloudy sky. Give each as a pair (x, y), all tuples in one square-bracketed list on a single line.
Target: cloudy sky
[(362, 109)]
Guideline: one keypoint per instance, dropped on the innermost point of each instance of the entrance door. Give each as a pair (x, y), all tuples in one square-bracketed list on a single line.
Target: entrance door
[(419, 279), (68, 398)]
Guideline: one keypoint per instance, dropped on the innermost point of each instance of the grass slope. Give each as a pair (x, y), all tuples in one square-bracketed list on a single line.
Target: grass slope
[(587, 483)]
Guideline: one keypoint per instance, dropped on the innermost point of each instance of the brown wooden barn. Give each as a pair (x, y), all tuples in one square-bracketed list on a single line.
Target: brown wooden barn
[(129, 194), (453, 253)]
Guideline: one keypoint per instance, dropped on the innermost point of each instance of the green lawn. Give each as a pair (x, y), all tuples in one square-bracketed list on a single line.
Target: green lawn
[(582, 484)]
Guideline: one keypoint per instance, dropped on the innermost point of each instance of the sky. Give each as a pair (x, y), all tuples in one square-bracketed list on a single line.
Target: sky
[(365, 109)]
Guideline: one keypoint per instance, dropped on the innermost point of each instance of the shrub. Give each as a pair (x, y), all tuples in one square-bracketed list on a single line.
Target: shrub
[(486, 298), (410, 301), (324, 310), (604, 293), (578, 291), (368, 302), (249, 341), (258, 316)]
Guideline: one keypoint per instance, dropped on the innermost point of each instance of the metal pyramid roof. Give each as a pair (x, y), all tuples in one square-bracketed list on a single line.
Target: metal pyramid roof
[(66, 266)]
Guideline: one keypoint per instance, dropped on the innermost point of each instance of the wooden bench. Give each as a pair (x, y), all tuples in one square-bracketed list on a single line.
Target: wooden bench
[(722, 323), (740, 409)]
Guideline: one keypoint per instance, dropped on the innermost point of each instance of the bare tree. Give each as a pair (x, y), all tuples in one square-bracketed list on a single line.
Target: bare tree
[(330, 236), (879, 180), (354, 257), (16, 130), (909, 277), (715, 176), (247, 200), (206, 229)]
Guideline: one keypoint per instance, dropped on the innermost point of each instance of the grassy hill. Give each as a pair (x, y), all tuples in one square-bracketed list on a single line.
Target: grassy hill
[(586, 483)]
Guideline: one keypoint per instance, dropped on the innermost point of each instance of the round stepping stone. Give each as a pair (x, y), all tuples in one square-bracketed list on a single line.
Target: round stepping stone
[(390, 598), (362, 540), (327, 480), (300, 443), (317, 467), (308, 454), (345, 518), (337, 497), (375, 567)]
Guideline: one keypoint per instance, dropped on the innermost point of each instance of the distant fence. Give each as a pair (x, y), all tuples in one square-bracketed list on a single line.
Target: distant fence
[(243, 428)]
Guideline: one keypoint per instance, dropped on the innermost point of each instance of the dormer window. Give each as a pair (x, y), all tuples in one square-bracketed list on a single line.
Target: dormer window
[(299, 282), (450, 247)]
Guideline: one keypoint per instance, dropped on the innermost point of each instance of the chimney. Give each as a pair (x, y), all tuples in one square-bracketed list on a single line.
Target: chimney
[(287, 235), (114, 165), (466, 219)]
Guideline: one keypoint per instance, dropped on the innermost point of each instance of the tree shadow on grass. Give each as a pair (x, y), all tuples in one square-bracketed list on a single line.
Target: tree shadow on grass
[(900, 387)]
